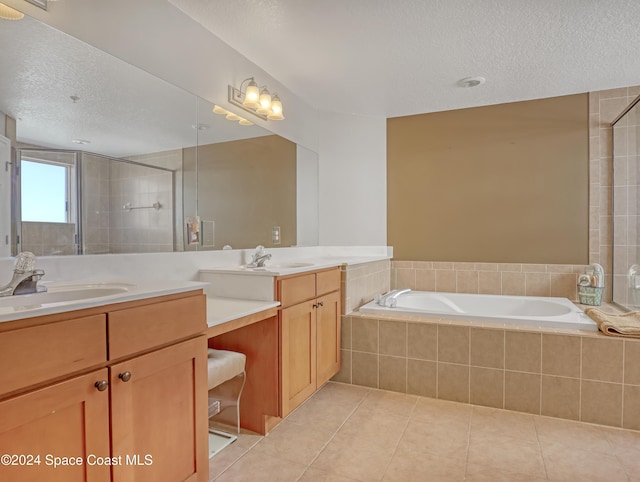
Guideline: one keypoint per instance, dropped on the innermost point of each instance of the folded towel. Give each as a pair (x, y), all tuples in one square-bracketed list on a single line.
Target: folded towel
[(626, 324)]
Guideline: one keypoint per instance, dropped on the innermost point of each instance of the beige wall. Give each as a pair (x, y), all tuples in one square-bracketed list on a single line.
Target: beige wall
[(246, 187), (505, 183)]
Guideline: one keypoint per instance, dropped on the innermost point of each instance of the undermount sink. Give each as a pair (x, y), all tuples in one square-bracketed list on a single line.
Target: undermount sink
[(61, 293)]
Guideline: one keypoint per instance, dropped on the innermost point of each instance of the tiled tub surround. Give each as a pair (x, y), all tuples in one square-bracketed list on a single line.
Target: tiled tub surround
[(361, 282), (577, 376), (488, 278)]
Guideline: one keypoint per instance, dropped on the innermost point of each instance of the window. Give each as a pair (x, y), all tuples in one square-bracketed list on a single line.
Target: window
[(45, 191)]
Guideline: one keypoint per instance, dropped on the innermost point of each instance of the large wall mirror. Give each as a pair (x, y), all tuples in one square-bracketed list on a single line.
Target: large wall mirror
[(99, 156)]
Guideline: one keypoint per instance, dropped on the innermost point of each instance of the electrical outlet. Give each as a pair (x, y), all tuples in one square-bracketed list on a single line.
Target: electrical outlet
[(275, 235)]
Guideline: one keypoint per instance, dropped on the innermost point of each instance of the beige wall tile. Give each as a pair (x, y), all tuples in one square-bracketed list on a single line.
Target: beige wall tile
[(523, 351), (423, 265), (561, 355), (486, 387), (602, 359), (490, 282), (344, 375), (442, 265), (453, 382), (402, 264), (345, 333), (560, 397), (509, 267), (486, 266), (522, 392), (487, 348), (406, 278), (513, 283), (632, 362), (537, 284), (393, 374), (445, 281), (393, 338), (364, 369), (364, 334), (534, 268), (560, 268), (453, 344), (601, 403), (464, 266), (631, 415), (422, 341), (425, 280), (422, 378), (564, 286), (467, 281)]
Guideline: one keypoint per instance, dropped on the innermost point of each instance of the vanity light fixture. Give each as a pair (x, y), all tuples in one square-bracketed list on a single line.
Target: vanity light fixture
[(82, 142), (256, 100), (231, 116), (8, 13)]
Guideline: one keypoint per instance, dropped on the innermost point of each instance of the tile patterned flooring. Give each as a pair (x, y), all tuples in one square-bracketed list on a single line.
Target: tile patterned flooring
[(349, 433)]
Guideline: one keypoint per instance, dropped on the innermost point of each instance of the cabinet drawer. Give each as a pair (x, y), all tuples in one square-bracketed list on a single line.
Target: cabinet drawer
[(297, 289), (327, 281), (138, 329), (39, 353)]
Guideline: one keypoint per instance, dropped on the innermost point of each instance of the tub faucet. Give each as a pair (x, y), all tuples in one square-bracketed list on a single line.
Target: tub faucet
[(260, 257), (25, 278), (391, 298)]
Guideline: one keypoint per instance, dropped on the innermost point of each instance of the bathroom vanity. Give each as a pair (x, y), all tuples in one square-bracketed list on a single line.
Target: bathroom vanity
[(292, 347), (111, 392)]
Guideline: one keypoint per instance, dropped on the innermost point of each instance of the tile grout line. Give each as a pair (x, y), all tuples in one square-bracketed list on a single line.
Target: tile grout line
[(395, 449)]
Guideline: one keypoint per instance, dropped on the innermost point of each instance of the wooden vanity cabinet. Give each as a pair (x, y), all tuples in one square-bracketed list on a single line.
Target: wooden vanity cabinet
[(128, 397), (309, 334)]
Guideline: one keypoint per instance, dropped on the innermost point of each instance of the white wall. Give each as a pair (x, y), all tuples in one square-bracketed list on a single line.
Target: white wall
[(353, 180)]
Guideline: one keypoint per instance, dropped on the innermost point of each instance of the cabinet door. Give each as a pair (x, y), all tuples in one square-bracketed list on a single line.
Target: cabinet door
[(298, 354), (328, 337), (159, 415), (69, 419)]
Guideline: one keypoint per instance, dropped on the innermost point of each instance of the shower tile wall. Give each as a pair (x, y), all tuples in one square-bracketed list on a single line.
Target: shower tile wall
[(95, 207), (361, 282), (604, 107), (48, 239), (146, 229), (108, 228)]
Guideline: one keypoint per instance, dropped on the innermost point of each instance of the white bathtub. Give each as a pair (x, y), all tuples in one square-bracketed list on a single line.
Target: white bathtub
[(513, 310)]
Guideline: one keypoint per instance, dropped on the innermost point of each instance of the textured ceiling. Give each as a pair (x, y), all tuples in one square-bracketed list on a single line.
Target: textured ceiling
[(399, 57), (121, 109)]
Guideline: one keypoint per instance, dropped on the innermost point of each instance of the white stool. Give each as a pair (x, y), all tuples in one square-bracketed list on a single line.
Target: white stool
[(226, 380)]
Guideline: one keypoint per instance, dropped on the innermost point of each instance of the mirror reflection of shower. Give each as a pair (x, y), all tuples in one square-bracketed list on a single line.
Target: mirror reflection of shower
[(626, 206), (73, 202)]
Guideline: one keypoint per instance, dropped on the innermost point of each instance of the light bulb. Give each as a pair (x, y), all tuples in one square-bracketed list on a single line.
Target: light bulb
[(276, 109), (265, 102), (252, 95)]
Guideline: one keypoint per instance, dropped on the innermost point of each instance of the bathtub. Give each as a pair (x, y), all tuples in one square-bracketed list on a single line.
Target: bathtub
[(533, 311)]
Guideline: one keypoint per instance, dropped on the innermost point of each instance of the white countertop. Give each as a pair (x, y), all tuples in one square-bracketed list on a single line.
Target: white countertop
[(299, 265), (222, 310), (29, 305)]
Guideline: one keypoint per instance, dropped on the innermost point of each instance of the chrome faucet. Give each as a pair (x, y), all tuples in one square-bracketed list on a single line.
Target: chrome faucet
[(25, 278), (259, 258), (391, 298)]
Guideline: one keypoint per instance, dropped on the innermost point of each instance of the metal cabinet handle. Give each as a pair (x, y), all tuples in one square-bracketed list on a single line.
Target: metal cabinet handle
[(101, 385), (125, 376), (320, 303)]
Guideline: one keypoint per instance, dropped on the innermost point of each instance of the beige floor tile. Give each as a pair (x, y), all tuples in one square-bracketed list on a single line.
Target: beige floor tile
[(389, 402), (450, 441), (441, 412), (487, 422), (257, 466), (322, 414), (407, 465), (317, 475), (491, 474), (340, 393), (507, 454), (567, 464), (555, 431), (224, 459), (293, 442), (380, 428), (364, 460)]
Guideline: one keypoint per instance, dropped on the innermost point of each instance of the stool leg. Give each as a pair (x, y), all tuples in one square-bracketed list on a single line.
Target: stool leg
[(244, 379)]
